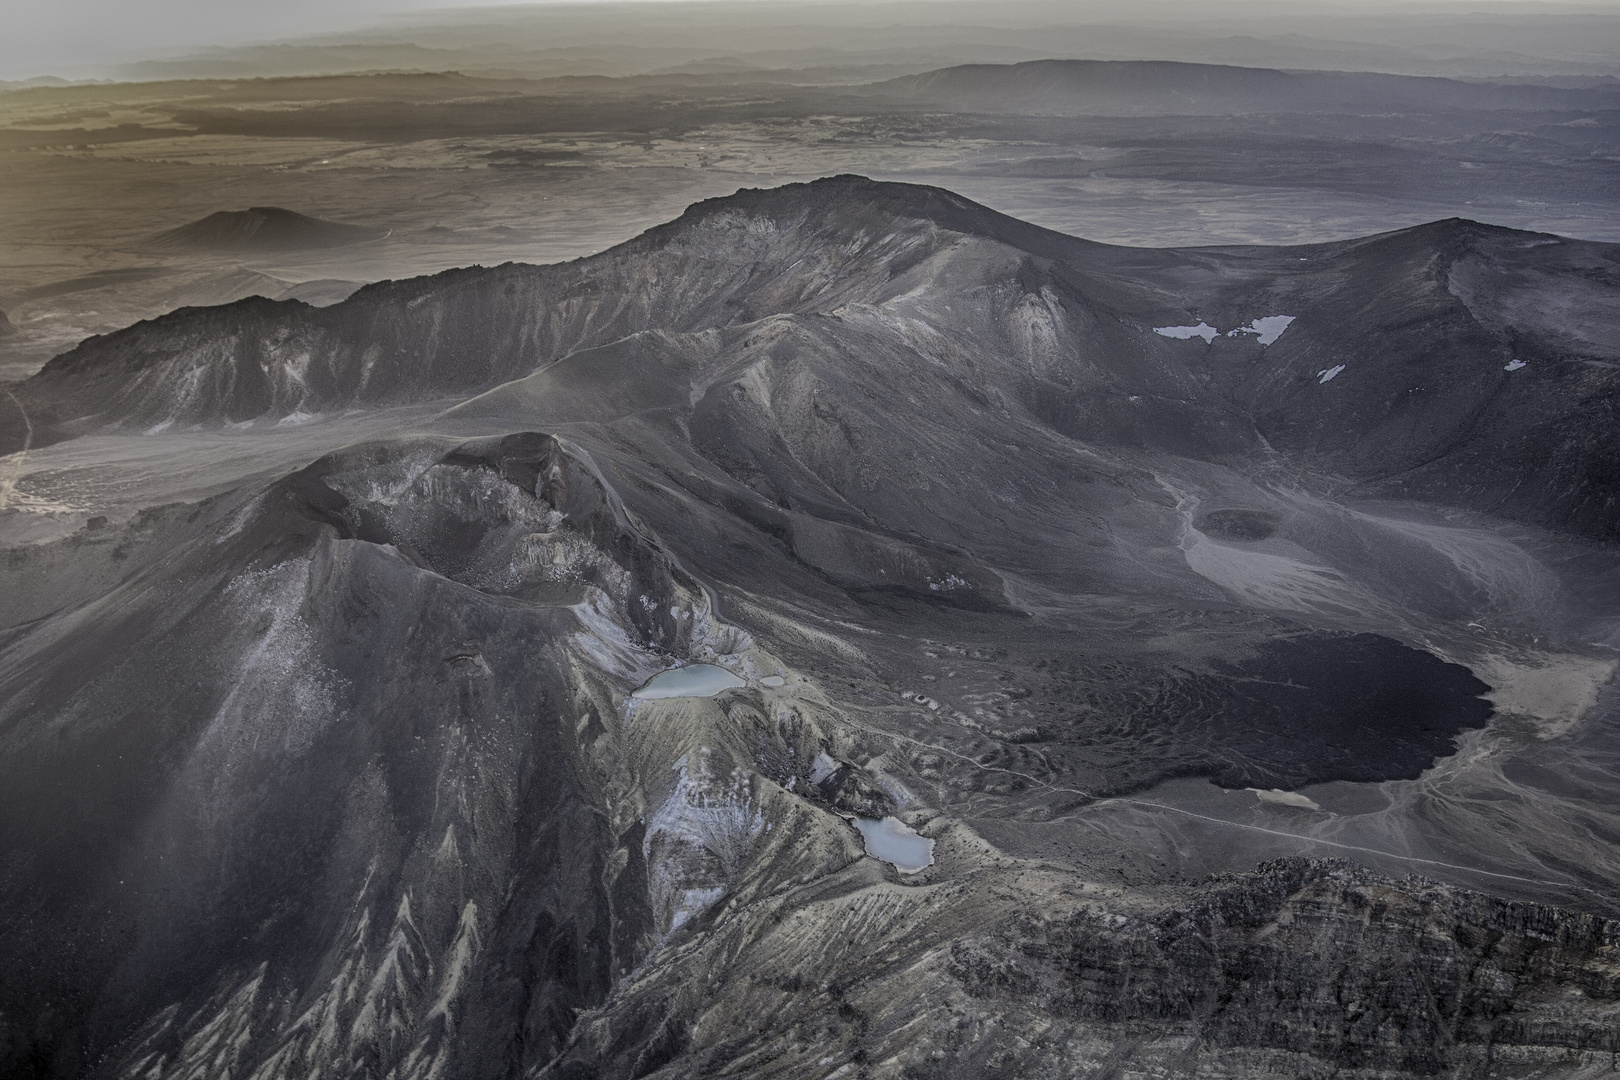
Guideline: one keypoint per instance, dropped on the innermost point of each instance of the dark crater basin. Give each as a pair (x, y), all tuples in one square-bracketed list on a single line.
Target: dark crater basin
[(1329, 707), (1238, 524)]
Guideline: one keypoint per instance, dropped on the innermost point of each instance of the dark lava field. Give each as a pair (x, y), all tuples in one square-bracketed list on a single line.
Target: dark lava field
[(507, 576)]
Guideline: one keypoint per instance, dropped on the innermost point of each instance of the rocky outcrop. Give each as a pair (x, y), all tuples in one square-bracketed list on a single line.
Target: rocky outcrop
[(1306, 968), (1322, 968)]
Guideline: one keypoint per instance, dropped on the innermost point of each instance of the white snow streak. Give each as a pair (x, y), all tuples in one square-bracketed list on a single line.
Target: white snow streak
[(1183, 333)]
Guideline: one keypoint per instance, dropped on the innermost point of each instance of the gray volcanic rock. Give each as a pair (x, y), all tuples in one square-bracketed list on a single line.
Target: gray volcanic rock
[(338, 768), (377, 800), (264, 228), (1311, 961), (1305, 968)]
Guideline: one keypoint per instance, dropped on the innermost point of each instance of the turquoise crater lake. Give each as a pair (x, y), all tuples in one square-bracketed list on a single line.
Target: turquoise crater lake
[(891, 840), (693, 680)]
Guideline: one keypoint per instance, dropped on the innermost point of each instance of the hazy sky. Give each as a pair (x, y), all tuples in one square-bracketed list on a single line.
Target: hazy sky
[(82, 38), (43, 36)]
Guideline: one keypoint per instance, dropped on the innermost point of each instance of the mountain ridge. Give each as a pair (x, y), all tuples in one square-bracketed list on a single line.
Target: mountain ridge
[(846, 245), (1168, 87)]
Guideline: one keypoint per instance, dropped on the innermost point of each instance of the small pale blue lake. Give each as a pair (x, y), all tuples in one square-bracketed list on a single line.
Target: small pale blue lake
[(693, 680), (891, 840)]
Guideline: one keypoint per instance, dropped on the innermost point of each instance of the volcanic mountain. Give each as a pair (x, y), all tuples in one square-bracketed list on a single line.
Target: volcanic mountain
[(1472, 364), (264, 229), (356, 745)]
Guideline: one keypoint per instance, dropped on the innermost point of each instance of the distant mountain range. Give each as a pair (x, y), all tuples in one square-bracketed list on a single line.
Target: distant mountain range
[(637, 38), (1155, 88)]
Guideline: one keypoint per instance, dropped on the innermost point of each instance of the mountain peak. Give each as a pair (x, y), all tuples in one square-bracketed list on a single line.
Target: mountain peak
[(849, 201), (264, 228)]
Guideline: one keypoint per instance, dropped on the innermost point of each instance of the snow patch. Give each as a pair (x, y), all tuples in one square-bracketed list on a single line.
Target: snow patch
[(1268, 328), (822, 767), (1515, 365), (1327, 375), (1280, 797), (1184, 333)]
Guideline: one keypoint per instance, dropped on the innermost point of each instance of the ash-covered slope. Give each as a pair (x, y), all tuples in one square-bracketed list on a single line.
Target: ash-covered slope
[(351, 782)]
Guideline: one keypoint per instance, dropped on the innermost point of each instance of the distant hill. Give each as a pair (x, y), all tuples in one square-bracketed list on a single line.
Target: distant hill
[(1147, 88), (264, 228)]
